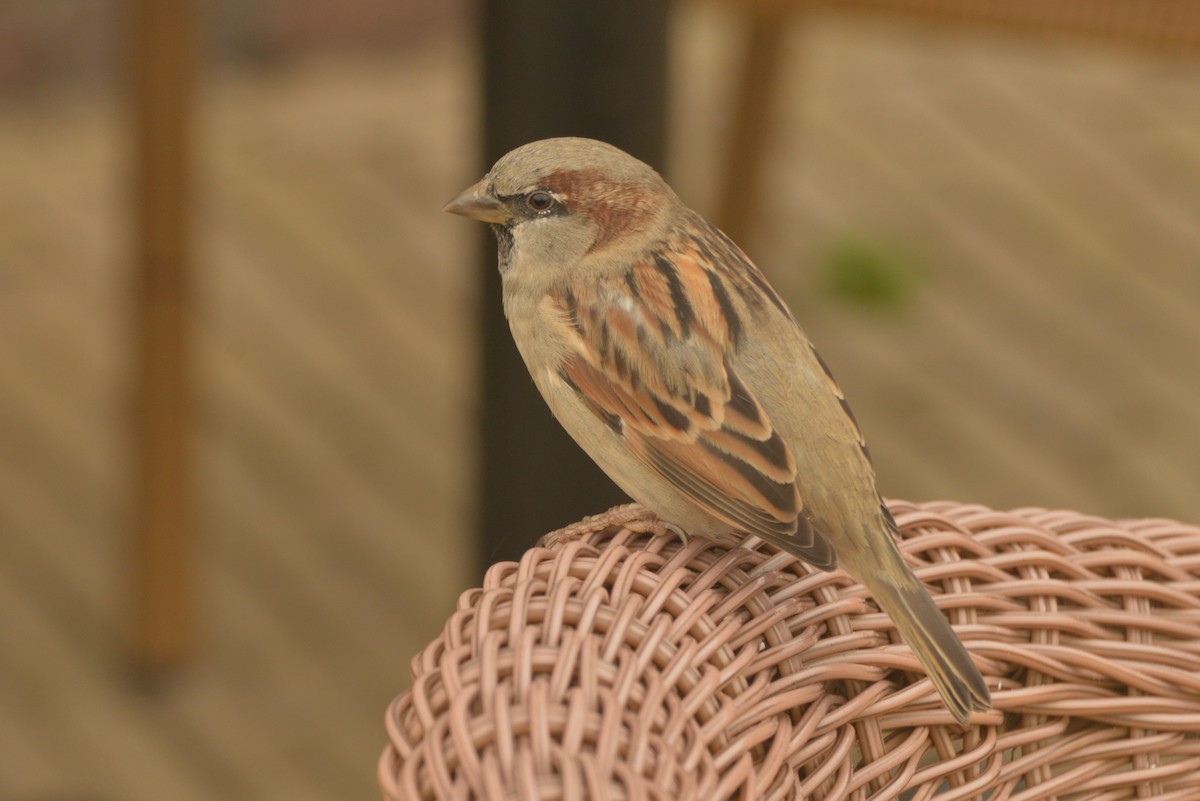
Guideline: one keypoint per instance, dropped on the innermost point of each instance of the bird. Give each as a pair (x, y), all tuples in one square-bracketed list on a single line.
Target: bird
[(672, 361)]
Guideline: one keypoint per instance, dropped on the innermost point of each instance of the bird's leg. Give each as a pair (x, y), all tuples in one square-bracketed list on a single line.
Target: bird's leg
[(631, 516)]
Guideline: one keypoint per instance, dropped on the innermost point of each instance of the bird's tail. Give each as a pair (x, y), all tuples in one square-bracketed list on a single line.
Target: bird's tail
[(926, 631)]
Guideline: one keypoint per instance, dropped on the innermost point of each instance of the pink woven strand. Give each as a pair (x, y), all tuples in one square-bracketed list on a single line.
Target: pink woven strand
[(623, 663)]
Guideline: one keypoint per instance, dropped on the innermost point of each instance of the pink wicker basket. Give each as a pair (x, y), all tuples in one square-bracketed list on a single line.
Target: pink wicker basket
[(619, 663)]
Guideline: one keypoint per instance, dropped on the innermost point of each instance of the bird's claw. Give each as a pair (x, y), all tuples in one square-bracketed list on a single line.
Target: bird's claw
[(631, 516)]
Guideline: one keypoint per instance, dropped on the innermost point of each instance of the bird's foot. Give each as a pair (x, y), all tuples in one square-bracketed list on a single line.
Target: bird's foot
[(631, 516), (651, 523)]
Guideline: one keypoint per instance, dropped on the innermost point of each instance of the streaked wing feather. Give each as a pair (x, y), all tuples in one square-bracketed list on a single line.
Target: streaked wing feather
[(653, 360)]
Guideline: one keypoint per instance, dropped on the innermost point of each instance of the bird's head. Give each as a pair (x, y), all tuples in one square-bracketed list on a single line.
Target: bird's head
[(560, 201)]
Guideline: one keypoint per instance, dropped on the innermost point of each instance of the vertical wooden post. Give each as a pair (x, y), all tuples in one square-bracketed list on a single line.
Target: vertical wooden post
[(554, 69), (163, 69), (742, 181)]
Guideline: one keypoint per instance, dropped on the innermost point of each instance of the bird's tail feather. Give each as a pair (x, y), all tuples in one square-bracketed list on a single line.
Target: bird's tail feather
[(927, 632)]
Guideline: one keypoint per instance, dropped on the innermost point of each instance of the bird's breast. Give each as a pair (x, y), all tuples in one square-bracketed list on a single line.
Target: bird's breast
[(543, 334)]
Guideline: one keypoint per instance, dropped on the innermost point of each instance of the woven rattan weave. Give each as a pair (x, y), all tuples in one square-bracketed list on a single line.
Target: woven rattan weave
[(620, 663)]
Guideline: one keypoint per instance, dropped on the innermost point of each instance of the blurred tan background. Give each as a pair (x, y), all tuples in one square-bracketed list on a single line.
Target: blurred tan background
[(992, 238)]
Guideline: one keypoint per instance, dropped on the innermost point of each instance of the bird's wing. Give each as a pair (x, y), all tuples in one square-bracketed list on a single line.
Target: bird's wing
[(651, 356)]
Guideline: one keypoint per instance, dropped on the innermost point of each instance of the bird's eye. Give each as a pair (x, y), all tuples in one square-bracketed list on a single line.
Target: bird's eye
[(539, 201)]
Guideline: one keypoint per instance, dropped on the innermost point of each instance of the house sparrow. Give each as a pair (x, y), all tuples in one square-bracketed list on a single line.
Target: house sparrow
[(668, 357)]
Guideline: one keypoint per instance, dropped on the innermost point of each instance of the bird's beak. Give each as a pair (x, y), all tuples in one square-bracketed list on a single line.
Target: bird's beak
[(479, 204)]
